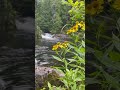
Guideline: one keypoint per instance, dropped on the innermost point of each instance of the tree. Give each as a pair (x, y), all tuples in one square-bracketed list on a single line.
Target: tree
[(56, 23), (7, 21), (45, 15), (51, 15)]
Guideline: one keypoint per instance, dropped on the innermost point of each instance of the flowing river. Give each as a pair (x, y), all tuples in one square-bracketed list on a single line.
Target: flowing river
[(43, 51)]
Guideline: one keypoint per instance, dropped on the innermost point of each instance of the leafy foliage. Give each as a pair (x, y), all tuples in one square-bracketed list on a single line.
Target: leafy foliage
[(72, 56), (77, 12), (104, 63)]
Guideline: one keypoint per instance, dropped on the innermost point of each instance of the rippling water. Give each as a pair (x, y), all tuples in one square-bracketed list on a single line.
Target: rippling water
[(44, 53), (43, 50), (17, 60)]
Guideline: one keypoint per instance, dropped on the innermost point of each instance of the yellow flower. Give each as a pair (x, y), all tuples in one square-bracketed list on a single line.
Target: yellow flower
[(77, 22), (116, 4), (69, 31), (55, 47), (82, 25), (60, 45), (89, 9), (65, 44), (73, 29), (95, 7)]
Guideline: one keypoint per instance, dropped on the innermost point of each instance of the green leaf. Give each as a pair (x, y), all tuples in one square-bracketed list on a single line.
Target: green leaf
[(111, 80), (57, 58), (115, 56), (109, 49), (76, 3), (116, 42), (70, 1), (105, 60), (83, 43), (49, 85), (92, 81)]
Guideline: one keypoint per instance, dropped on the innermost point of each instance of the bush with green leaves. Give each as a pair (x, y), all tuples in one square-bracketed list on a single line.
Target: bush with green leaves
[(103, 59), (71, 55), (77, 11)]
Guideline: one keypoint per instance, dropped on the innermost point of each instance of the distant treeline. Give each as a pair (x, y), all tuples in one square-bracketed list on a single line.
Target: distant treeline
[(51, 15), (24, 7)]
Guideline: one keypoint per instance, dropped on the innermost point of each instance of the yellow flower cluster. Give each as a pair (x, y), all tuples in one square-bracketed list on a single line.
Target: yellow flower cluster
[(60, 45), (75, 28), (82, 25), (116, 4), (95, 7)]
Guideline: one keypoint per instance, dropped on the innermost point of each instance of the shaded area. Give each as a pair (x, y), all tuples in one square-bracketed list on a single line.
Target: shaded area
[(16, 46)]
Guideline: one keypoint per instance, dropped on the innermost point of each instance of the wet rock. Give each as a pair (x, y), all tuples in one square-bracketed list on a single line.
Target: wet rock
[(62, 36), (43, 75)]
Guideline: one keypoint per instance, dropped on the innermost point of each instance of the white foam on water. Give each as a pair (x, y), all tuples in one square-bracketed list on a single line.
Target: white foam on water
[(27, 25), (49, 36)]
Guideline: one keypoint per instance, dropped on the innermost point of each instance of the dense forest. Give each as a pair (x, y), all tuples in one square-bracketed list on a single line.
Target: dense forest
[(51, 15)]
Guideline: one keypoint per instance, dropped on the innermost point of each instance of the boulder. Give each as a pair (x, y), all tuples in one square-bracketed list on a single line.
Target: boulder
[(43, 75)]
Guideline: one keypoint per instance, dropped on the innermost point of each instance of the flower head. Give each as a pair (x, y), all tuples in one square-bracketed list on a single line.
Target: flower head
[(73, 29), (116, 4), (76, 26), (60, 45), (65, 44), (95, 7), (55, 47), (82, 25)]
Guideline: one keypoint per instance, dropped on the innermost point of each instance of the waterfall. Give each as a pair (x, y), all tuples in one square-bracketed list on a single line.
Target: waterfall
[(49, 36)]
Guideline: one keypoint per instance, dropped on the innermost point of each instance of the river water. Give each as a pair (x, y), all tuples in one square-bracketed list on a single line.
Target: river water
[(17, 59), (43, 50)]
